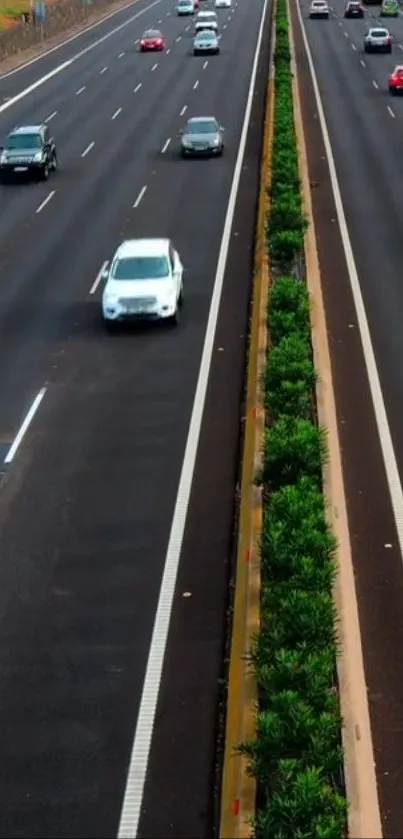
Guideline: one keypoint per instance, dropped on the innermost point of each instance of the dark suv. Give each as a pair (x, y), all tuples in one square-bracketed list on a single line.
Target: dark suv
[(28, 150)]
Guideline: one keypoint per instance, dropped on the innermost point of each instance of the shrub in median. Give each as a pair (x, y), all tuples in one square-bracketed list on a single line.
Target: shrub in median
[(296, 756)]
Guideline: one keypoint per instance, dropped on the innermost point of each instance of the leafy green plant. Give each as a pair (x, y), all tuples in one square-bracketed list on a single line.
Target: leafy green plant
[(296, 755)]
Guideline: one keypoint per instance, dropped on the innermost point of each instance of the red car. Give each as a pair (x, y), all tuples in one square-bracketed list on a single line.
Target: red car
[(151, 41), (396, 80)]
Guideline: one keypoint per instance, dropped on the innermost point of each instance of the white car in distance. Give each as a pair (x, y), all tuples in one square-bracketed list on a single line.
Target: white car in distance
[(206, 20), (143, 282), (319, 9), (223, 4)]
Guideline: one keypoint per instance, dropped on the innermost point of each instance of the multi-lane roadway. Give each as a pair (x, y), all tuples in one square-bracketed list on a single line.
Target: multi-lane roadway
[(120, 454), (364, 139)]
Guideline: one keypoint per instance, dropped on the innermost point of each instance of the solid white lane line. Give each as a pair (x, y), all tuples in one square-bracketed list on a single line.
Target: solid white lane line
[(25, 425), (98, 277), (137, 772), (196, 84), (154, 67), (116, 114), (51, 116), (165, 146), (46, 201), (88, 149), (184, 109), (121, 54), (138, 86), (104, 69), (140, 197), (205, 65), (363, 64), (375, 84), (81, 90), (391, 112)]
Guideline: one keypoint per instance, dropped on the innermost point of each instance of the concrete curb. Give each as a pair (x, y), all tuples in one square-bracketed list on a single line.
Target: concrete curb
[(238, 794), (364, 821)]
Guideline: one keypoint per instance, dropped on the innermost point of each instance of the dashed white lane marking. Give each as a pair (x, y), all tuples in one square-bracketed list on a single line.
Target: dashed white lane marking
[(179, 37), (225, 26), (400, 46), (121, 54), (165, 146), (196, 84), (375, 84), (205, 65), (104, 69), (46, 201), (184, 109), (160, 21), (138, 86), (168, 51), (154, 67), (51, 116), (25, 425), (353, 47), (88, 149), (116, 114), (98, 277), (81, 90), (363, 64), (346, 35), (140, 197), (391, 112)]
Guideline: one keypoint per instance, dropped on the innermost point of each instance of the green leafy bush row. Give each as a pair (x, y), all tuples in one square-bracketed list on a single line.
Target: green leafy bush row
[(296, 757)]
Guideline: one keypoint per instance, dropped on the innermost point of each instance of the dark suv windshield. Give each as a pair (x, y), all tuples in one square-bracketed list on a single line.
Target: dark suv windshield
[(23, 141)]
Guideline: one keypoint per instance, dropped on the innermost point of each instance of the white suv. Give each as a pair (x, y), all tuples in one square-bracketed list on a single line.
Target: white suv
[(319, 8), (206, 20)]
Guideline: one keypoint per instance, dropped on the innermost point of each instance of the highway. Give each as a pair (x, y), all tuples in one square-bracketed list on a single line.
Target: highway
[(97, 432), (365, 129)]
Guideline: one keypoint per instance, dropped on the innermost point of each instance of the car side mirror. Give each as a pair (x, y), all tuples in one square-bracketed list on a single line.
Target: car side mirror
[(222, 128)]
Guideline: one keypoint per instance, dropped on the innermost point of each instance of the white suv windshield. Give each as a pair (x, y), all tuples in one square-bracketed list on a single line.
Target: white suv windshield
[(141, 268)]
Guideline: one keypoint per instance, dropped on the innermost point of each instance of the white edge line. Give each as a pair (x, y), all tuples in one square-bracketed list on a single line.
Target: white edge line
[(84, 32), (25, 425), (99, 277), (131, 809), (385, 437)]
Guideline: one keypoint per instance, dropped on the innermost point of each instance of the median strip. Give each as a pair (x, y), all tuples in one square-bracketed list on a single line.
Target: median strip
[(296, 756)]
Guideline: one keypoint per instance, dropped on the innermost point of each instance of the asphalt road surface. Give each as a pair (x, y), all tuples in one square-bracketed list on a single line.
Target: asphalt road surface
[(87, 498), (365, 127)]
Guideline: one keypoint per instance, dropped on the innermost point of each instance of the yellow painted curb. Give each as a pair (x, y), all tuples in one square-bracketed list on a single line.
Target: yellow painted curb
[(238, 794), (364, 821)]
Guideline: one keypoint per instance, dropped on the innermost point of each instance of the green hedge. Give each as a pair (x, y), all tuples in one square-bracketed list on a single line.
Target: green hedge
[(296, 757)]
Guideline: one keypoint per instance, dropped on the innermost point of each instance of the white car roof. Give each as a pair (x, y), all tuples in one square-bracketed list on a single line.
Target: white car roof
[(142, 247), (206, 14), (378, 29)]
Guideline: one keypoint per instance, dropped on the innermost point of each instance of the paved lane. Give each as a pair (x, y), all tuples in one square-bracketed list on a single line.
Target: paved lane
[(366, 131), (87, 504)]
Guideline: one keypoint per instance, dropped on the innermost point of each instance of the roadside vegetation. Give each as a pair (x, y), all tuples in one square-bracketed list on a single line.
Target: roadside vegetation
[(297, 757)]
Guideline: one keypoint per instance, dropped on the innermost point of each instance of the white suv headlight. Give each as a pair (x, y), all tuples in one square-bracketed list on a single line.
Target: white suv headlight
[(38, 157)]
